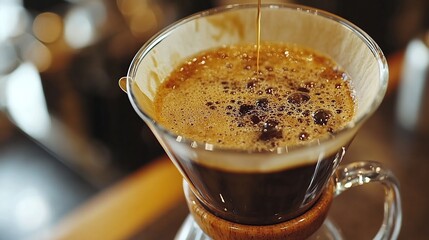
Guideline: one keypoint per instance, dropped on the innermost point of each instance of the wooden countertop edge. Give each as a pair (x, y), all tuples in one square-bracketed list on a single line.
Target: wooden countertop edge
[(123, 209)]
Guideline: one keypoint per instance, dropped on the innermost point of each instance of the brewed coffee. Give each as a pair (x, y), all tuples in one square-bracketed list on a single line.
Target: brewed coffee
[(297, 97)]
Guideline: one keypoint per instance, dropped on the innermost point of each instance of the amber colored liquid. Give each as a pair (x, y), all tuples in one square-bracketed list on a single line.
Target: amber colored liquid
[(218, 98)]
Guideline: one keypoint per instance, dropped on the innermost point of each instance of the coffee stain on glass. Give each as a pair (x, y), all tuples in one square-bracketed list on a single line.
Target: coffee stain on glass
[(154, 61), (197, 26), (153, 83), (143, 100), (227, 25)]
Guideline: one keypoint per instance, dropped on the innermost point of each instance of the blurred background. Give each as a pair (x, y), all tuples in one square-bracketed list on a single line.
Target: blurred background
[(67, 131)]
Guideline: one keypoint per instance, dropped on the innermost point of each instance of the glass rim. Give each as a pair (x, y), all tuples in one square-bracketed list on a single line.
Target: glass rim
[(162, 34)]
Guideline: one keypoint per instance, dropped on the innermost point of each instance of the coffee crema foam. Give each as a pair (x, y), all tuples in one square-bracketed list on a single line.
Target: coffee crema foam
[(217, 97)]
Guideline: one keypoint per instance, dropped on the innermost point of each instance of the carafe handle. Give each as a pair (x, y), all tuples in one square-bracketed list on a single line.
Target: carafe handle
[(360, 173)]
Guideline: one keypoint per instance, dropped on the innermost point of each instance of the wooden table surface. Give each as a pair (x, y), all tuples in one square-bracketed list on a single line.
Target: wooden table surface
[(149, 204), (122, 210)]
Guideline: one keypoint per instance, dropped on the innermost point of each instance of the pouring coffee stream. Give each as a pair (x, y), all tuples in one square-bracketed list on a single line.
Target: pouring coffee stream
[(258, 34)]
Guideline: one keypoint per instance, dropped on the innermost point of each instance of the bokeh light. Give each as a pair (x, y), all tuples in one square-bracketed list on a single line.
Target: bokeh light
[(13, 19), (36, 52), (142, 16), (47, 27), (26, 102), (82, 24), (32, 210), (8, 57)]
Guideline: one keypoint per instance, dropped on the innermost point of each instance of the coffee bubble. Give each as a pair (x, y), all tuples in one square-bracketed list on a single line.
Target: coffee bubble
[(298, 98), (322, 116)]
